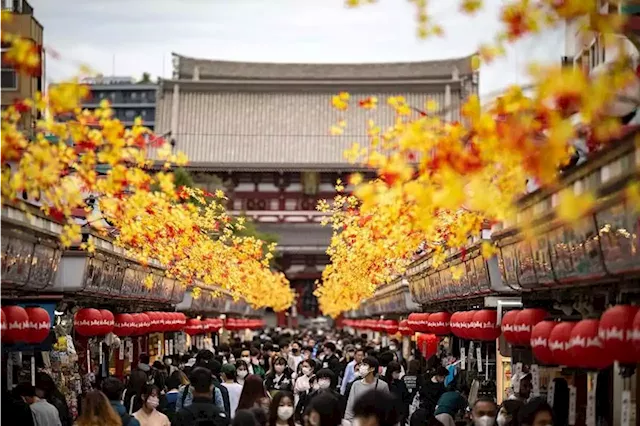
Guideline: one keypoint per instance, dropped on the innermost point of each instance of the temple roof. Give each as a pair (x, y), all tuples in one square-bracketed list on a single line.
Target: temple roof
[(207, 69)]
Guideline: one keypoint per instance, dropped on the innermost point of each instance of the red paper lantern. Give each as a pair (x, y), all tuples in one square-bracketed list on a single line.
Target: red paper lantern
[(463, 324), (391, 326), (485, 325), (540, 341), (146, 323), (525, 321), (87, 321), (4, 322), (231, 324), (182, 320), (560, 343), (107, 322), (17, 324), (418, 322), (427, 344), (438, 323), (454, 323), (123, 325), (508, 326), (39, 325), (636, 333), (616, 333), (404, 329), (193, 326), (586, 347)]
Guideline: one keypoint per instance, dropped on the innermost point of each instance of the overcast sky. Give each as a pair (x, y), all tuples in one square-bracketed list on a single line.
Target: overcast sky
[(128, 37)]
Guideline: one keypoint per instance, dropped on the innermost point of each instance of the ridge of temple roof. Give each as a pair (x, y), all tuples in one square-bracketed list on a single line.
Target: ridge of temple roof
[(185, 68)]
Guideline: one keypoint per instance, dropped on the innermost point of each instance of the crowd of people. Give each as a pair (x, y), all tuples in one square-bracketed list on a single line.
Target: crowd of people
[(280, 379)]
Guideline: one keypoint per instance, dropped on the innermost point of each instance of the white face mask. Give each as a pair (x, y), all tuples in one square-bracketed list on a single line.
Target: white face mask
[(484, 421), (242, 374), (285, 413), (279, 369), (153, 402), (324, 383), (392, 348), (307, 371), (395, 375), (502, 420), (363, 370), (246, 359), (168, 361)]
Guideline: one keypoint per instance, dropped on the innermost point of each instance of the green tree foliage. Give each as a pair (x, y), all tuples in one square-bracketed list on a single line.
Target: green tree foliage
[(146, 78)]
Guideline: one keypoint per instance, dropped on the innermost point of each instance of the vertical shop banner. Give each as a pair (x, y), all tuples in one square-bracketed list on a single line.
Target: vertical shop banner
[(166, 347), (515, 378), (33, 370), (572, 405), (121, 350), (551, 393), (130, 350), (479, 357), (592, 382), (535, 380), (171, 347), (625, 411), (463, 358)]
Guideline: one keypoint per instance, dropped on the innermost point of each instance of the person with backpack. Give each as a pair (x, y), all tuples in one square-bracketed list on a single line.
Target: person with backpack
[(185, 397), (202, 411), (112, 388)]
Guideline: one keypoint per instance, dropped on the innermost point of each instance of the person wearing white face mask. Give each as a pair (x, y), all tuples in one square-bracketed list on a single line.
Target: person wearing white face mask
[(484, 412), (281, 410), (368, 369), (279, 377), (242, 371), (148, 415), (302, 381)]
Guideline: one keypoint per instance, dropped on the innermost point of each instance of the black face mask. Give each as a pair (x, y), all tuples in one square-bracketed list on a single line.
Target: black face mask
[(295, 351)]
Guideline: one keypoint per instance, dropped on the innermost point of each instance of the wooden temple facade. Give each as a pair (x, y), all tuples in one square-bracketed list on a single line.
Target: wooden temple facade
[(262, 131)]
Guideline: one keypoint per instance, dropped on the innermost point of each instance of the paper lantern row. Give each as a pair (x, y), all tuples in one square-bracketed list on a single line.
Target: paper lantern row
[(435, 323), (91, 322), (383, 326), (590, 343), (25, 325)]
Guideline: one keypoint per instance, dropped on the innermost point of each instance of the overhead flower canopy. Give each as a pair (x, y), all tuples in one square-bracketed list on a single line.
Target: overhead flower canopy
[(440, 182), (81, 160)]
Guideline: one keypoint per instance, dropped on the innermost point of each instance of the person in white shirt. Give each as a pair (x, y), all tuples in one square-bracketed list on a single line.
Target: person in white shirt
[(148, 415), (302, 381), (295, 357), (349, 371), (235, 389)]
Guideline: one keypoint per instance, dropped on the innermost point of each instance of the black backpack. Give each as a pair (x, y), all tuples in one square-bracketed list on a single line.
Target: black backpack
[(205, 418)]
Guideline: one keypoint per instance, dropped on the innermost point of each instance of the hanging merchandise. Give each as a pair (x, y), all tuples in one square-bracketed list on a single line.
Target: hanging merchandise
[(39, 325), (540, 341), (17, 322), (616, 333), (560, 344), (586, 347), (524, 322)]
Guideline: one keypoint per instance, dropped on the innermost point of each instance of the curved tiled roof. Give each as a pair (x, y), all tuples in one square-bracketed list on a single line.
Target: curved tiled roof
[(184, 68)]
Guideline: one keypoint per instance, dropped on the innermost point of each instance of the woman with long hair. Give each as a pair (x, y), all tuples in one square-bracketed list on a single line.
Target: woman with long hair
[(242, 371), (281, 410), (149, 415), (253, 394), (398, 389), (97, 411)]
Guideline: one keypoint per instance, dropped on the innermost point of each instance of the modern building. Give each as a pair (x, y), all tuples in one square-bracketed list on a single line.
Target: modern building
[(17, 86), (129, 99), (262, 129)]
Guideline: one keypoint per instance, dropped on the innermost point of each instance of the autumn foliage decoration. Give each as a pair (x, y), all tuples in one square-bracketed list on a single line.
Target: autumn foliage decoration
[(75, 160), (438, 182)]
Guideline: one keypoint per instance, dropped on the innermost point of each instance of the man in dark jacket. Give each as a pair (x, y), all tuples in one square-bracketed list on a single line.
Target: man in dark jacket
[(331, 360), (202, 411), (112, 388), (432, 390), (216, 368)]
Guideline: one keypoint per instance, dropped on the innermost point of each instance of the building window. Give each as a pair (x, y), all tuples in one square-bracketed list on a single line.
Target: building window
[(133, 97), (9, 79), (130, 114)]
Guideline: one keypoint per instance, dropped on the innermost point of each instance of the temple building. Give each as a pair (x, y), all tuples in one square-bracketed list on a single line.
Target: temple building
[(262, 131)]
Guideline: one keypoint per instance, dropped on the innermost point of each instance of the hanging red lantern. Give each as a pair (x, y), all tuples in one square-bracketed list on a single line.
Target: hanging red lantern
[(87, 321), (454, 323), (418, 322), (560, 343), (391, 326), (153, 322), (438, 323), (17, 323), (525, 321), (231, 324), (427, 344), (463, 321), (182, 320), (176, 321), (587, 350), (123, 325), (39, 325), (404, 328), (616, 333), (486, 325), (193, 326), (508, 326), (146, 323), (107, 322), (540, 341), (4, 322)]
